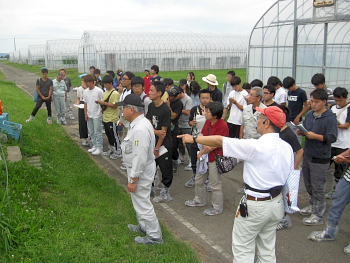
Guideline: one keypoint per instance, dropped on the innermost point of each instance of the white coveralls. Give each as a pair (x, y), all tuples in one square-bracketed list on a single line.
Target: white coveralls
[(59, 99), (138, 147)]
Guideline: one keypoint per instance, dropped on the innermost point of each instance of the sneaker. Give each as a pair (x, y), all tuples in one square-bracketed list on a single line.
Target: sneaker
[(320, 236), (71, 117), (108, 153), (285, 223), (208, 186), (92, 149), (103, 131), (49, 120), (115, 156), (75, 89), (30, 118), (181, 159), (148, 240), (347, 250), (306, 210), (188, 167), (313, 220), (136, 228), (330, 194), (85, 143), (193, 203), (211, 212), (98, 151), (163, 197), (240, 190), (64, 122), (190, 183), (123, 167)]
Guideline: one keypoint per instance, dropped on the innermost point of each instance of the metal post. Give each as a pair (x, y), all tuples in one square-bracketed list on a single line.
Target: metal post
[(295, 41), (325, 48)]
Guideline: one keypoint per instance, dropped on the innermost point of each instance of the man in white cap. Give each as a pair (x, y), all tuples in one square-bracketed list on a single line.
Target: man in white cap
[(267, 164), (216, 94)]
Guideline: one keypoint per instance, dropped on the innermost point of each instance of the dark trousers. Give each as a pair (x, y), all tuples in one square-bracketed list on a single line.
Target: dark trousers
[(166, 167), (174, 133), (194, 150), (83, 130), (339, 168), (111, 133), (188, 145), (40, 102), (233, 130)]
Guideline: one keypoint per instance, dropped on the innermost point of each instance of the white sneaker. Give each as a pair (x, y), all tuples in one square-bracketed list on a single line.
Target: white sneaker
[(71, 117), (85, 143), (188, 167), (64, 122), (98, 151), (49, 120), (92, 149), (30, 118)]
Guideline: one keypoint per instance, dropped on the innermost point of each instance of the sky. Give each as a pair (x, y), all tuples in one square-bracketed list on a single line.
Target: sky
[(33, 22)]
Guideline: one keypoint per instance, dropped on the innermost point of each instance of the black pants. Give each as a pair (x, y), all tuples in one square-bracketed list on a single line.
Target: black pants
[(166, 167), (339, 168), (40, 102), (111, 133), (83, 130), (188, 145), (174, 133), (194, 150), (233, 130)]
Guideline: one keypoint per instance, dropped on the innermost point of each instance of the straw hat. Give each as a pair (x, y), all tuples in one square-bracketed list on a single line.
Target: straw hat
[(211, 79)]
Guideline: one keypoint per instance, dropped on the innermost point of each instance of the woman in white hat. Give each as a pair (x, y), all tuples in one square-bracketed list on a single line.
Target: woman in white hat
[(215, 93)]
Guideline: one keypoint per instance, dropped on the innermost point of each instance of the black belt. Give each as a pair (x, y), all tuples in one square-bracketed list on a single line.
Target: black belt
[(252, 198)]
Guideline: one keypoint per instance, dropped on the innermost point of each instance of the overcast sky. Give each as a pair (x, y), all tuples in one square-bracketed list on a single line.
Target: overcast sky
[(33, 22)]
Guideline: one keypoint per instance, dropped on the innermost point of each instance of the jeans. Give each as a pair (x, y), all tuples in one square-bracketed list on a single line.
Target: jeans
[(341, 199), (95, 130)]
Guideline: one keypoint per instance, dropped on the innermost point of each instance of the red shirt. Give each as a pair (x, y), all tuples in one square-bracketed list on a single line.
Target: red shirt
[(219, 128), (147, 84)]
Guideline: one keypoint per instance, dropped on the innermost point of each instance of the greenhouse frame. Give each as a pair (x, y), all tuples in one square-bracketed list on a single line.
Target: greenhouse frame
[(36, 54), (62, 53), (14, 56), (300, 38), (171, 51)]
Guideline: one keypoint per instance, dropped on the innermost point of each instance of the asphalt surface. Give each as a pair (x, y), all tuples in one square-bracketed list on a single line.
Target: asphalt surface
[(211, 235)]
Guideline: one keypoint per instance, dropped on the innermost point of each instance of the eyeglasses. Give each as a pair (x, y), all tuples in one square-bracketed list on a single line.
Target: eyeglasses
[(250, 95), (125, 79), (267, 93)]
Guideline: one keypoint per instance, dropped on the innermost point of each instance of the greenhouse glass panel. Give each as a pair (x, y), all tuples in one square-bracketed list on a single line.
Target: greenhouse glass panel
[(135, 51), (23, 56), (62, 53), (302, 38), (36, 54)]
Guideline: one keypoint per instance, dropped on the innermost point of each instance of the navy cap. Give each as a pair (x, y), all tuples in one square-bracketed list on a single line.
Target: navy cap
[(174, 91)]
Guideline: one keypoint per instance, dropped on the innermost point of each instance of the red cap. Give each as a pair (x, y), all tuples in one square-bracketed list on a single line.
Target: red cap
[(274, 114)]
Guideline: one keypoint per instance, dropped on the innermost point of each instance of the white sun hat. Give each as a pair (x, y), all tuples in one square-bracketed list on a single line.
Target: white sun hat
[(211, 79)]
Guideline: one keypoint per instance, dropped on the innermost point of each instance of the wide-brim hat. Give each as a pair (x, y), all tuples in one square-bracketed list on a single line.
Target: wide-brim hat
[(211, 79), (131, 99)]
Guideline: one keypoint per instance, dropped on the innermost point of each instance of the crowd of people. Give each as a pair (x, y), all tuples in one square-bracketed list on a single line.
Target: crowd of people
[(151, 122)]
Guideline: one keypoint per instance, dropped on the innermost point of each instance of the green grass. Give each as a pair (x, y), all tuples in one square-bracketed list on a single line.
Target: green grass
[(70, 211), (175, 75)]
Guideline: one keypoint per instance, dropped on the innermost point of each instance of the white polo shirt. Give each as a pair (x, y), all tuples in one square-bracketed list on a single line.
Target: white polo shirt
[(267, 161), (280, 96)]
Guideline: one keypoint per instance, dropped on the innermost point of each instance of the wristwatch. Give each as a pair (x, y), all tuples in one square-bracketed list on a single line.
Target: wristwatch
[(132, 181), (157, 150), (194, 138)]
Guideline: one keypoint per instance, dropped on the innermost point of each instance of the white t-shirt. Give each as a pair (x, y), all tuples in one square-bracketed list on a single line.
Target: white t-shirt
[(80, 92), (235, 112), (280, 96), (90, 96), (343, 139)]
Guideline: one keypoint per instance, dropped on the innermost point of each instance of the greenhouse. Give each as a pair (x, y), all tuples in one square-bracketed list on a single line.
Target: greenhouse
[(135, 51), (14, 56), (62, 53), (36, 54), (299, 38), (23, 56)]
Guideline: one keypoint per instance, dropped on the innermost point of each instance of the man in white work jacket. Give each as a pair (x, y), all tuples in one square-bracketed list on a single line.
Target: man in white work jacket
[(137, 148), (267, 163)]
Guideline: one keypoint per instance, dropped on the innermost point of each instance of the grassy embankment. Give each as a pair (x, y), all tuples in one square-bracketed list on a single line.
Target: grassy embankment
[(70, 211)]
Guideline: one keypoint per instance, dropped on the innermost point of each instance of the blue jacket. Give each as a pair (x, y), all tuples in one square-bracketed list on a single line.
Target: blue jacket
[(326, 125)]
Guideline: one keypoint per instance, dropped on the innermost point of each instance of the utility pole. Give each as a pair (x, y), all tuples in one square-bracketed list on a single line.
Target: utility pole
[(14, 42)]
